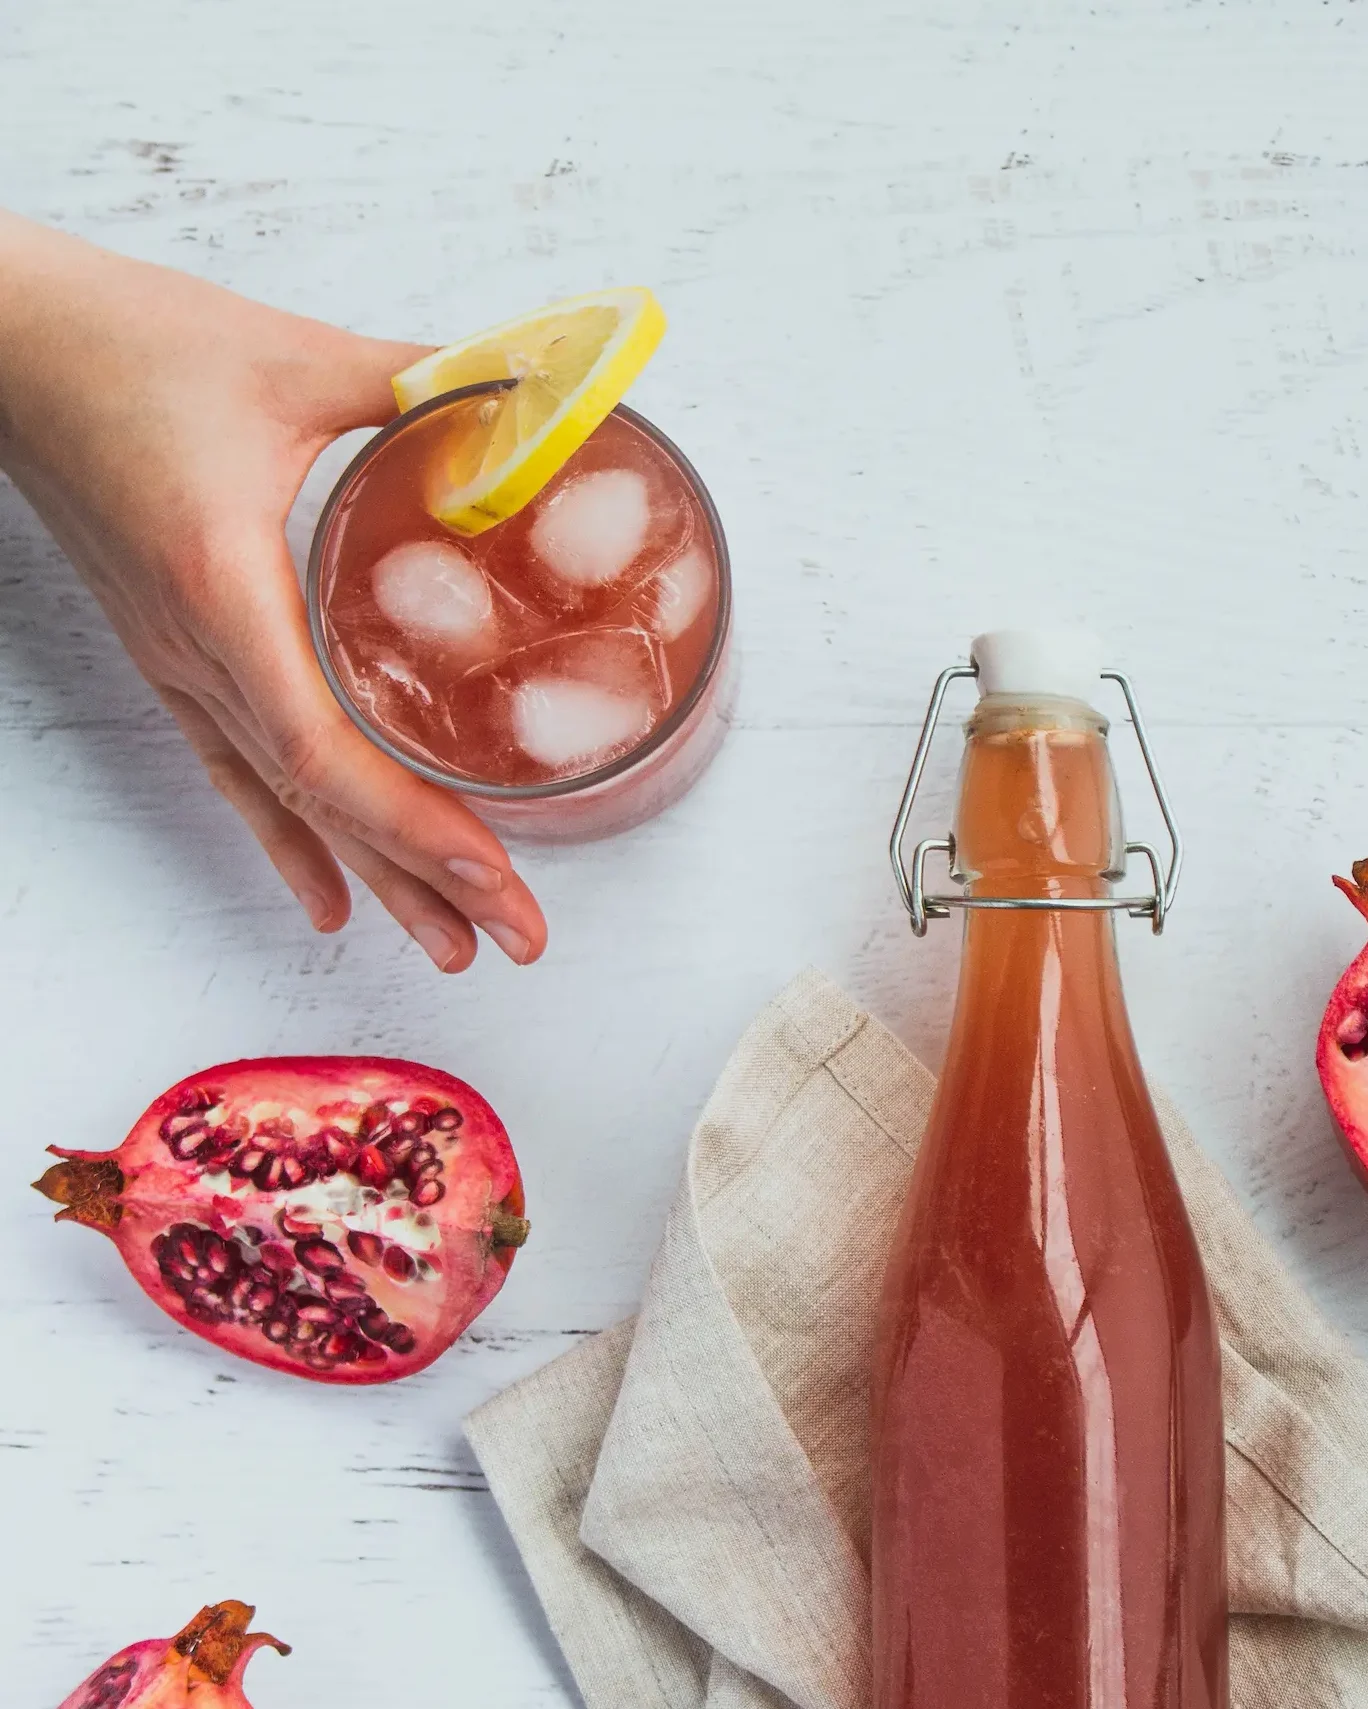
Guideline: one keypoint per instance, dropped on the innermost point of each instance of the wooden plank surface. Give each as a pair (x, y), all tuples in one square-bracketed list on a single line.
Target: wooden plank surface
[(979, 312)]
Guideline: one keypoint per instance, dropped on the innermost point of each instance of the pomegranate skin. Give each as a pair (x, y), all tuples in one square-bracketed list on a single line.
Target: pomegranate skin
[(337, 1218), (1342, 1045), (201, 1666)]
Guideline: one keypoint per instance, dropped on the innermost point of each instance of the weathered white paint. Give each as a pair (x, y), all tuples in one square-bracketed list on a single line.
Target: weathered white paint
[(978, 311)]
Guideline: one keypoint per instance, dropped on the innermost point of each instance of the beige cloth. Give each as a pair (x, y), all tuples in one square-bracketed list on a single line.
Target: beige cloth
[(688, 1490)]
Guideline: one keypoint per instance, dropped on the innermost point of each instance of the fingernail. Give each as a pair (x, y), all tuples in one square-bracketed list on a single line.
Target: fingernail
[(436, 943), (315, 904), (514, 945), (477, 873)]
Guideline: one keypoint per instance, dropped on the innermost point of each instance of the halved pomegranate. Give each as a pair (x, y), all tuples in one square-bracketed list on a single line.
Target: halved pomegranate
[(206, 1658), (339, 1217), (1342, 1048)]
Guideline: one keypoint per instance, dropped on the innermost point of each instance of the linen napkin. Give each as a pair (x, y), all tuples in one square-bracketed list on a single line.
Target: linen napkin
[(689, 1489)]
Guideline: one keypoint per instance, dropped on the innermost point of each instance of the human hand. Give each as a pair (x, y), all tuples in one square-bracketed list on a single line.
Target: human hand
[(161, 427)]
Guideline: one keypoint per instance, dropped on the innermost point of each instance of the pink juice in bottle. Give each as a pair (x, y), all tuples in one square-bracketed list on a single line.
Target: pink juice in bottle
[(1047, 1449), (566, 666)]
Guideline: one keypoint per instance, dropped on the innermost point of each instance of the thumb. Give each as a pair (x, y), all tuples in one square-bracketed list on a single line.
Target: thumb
[(358, 392)]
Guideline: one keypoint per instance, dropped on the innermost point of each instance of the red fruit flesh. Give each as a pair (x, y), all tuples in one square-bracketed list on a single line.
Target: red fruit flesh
[(341, 1218), (200, 1668), (1342, 1047)]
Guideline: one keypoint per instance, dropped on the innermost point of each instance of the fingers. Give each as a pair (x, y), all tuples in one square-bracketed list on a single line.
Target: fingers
[(359, 371), (298, 853), (326, 765), (431, 898), (306, 863), (439, 931)]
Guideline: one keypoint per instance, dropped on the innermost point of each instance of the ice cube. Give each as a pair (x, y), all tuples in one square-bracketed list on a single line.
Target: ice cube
[(593, 529), (433, 590), (560, 722), (385, 690), (677, 596), (581, 699), (401, 675)]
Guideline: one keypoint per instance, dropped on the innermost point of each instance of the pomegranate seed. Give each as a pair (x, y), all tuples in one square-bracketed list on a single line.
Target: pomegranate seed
[(414, 1121), (398, 1147), (160, 1247), (315, 1310), (235, 1128), (295, 1171), (248, 1160), (340, 1345), (276, 1127), (423, 1153), (298, 1224), (367, 1247), (370, 1354), (271, 1173), (203, 1302), (401, 1338), (277, 1329), (277, 1258), (428, 1192), (320, 1256), (399, 1264), (427, 1171), (217, 1149), (344, 1286), (372, 1168), (197, 1098), (340, 1147), (376, 1121), (447, 1121), (187, 1135), (220, 1257), (304, 1331), (375, 1323), (260, 1299)]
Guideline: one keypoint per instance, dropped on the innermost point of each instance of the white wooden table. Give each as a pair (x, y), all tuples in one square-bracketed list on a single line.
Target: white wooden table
[(978, 313)]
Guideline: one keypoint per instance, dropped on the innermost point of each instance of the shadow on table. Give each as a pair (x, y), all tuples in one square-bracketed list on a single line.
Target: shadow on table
[(506, 1563)]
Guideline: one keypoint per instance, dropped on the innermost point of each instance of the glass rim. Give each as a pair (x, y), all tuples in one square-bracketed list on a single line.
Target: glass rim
[(624, 763)]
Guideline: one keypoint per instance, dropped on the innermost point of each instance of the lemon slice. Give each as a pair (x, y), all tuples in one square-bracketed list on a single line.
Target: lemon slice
[(569, 364)]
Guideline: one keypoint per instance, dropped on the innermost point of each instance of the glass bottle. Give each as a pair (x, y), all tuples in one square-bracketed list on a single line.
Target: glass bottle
[(1047, 1453)]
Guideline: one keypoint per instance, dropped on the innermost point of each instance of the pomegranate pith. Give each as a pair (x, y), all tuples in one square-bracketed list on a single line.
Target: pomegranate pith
[(201, 1667), (341, 1218), (1342, 1047)]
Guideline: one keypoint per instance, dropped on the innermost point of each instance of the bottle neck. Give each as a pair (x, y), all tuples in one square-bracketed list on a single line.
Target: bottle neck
[(1038, 818), (1038, 812)]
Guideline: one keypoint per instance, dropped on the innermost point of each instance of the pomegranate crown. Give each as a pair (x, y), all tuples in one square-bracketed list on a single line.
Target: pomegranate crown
[(1356, 888), (217, 1639), (89, 1187)]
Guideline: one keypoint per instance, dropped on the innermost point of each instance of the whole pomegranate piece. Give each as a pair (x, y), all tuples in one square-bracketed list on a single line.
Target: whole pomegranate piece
[(202, 1666), (339, 1217), (1342, 1048)]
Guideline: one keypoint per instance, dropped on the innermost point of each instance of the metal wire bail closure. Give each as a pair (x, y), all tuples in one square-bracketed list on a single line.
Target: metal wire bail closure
[(912, 885)]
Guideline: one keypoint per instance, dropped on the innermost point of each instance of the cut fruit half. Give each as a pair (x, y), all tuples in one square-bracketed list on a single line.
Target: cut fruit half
[(565, 366)]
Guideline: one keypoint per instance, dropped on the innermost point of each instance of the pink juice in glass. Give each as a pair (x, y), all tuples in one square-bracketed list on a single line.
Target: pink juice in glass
[(567, 667)]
